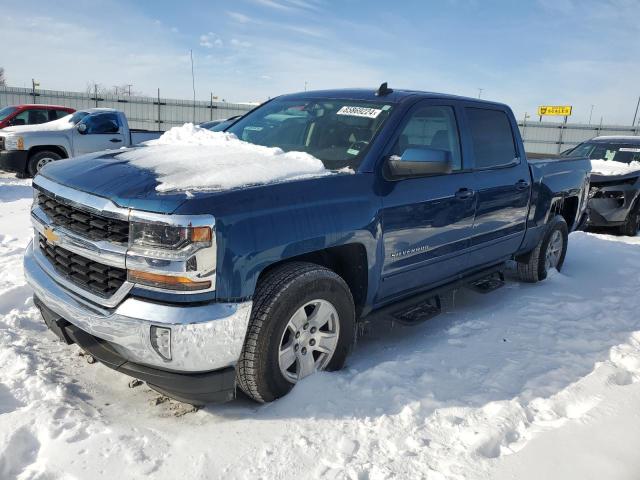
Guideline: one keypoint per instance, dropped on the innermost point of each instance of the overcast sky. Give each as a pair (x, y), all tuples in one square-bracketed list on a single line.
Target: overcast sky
[(524, 53)]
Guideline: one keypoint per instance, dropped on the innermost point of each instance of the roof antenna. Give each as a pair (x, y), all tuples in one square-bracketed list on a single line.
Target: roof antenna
[(383, 90)]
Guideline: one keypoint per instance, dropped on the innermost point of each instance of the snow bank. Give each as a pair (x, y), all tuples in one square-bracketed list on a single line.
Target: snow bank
[(193, 158), (59, 124), (609, 167)]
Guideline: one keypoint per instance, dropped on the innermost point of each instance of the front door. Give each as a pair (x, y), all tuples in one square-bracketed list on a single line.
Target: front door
[(103, 132), (426, 221)]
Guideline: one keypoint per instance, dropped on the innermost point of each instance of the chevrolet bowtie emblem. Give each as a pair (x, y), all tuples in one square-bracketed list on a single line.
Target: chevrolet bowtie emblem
[(50, 235)]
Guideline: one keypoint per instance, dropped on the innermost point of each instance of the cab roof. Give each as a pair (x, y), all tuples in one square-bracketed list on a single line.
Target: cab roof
[(632, 139), (370, 94)]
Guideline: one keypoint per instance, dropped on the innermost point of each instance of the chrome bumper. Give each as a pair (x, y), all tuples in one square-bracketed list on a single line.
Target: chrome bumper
[(203, 337)]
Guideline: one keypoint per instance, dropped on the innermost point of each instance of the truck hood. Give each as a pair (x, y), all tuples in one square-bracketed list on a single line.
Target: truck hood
[(43, 128), (118, 180), (109, 175)]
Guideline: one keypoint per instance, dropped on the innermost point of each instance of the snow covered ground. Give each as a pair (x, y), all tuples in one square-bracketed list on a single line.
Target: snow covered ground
[(528, 382)]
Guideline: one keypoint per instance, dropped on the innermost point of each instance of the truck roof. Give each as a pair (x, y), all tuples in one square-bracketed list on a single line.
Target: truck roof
[(635, 139), (97, 109), (40, 105), (395, 96)]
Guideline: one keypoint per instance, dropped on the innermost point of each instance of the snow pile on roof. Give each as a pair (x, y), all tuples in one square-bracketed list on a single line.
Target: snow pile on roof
[(609, 167), (63, 123), (194, 158)]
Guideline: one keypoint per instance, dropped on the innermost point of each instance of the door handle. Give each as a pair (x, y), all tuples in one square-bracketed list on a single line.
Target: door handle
[(464, 194), (522, 185), (115, 140)]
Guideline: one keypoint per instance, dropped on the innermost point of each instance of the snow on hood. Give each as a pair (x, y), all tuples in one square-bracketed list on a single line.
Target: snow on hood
[(609, 167), (194, 158), (59, 124)]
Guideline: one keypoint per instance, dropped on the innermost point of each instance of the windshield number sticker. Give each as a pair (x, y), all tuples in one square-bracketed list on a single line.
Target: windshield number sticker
[(629, 149), (359, 112)]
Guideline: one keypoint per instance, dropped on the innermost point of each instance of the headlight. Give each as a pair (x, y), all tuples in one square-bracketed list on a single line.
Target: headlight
[(169, 237), (176, 253), (14, 142)]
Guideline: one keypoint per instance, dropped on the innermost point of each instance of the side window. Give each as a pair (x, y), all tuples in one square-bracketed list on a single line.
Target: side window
[(38, 116), (433, 127), (492, 137), (102, 123), (56, 114), (21, 119)]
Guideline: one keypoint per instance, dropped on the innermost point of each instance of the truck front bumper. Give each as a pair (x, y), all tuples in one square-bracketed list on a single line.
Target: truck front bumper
[(14, 161), (205, 339)]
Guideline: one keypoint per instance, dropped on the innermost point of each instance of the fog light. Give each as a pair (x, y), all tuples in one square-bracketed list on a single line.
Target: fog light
[(161, 341)]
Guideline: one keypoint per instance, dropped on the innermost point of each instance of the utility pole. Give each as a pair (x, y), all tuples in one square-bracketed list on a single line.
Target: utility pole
[(95, 93), (129, 85), (480, 90), (35, 84), (591, 114), (116, 89), (636, 114), (193, 85), (305, 85)]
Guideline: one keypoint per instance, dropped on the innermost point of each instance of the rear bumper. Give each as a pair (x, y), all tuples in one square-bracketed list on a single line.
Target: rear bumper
[(14, 161), (206, 339), (612, 205)]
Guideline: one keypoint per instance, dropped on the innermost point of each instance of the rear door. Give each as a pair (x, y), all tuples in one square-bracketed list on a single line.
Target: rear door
[(427, 221), (502, 182), (103, 132)]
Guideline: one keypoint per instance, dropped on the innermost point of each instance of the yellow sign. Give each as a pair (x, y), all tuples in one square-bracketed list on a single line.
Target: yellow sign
[(50, 235), (558, 110)]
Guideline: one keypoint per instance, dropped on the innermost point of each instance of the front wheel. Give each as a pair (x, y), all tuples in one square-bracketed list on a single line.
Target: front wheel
[(302, 321), (548, 254), (38, 160)]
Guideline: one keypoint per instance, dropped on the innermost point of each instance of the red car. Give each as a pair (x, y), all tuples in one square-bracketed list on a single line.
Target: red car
[(31, 114)]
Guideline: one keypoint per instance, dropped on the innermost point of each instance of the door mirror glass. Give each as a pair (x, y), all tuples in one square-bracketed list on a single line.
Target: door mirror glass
[(420, 161), (82, 128)]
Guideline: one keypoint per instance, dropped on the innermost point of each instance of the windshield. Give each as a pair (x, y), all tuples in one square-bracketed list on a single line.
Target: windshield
[(617, 152), (76, 117), (337, 132), (6, 111)]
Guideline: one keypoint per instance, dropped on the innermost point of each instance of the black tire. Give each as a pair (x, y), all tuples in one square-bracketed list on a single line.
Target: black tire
[(632, 225), (37, 158), (533, 268), (278, 296)]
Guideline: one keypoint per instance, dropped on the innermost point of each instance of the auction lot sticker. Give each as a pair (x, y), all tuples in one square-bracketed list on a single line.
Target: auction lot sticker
[(359, 112)]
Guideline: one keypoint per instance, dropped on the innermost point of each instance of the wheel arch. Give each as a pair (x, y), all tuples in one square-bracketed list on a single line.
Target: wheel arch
[(49, 148), (349, 261)]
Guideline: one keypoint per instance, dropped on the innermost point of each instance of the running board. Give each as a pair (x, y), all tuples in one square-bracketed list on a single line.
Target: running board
[(426, 305), (488, 284)]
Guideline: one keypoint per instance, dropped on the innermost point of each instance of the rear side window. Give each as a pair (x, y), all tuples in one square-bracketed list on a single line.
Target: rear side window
[(492, 137)]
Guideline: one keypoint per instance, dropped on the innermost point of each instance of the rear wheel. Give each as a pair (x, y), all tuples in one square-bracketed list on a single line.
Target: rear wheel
[(548, 254), (39, 159), (632, 225), (302, 321)]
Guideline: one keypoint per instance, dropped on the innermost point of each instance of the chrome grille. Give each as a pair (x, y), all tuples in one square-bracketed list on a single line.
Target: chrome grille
[(100, 279), (90, 225)]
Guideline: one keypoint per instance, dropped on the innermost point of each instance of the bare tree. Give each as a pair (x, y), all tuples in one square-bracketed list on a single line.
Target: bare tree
[(94, 87), (124, 89), (3, 80)]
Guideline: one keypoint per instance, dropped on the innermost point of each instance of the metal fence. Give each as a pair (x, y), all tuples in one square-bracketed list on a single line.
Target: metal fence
[(152, 113), (157, 113), (553, 138)]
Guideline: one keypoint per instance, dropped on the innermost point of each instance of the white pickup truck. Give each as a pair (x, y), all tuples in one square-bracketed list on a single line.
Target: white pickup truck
[(26, 149)]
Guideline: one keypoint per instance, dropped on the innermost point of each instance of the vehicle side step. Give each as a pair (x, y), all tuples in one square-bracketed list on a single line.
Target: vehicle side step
[(417, 313), (488, 284)]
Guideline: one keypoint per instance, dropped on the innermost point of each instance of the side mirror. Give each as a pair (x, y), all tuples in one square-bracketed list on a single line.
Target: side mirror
[(418, 162), (82, 128), (16, 122)]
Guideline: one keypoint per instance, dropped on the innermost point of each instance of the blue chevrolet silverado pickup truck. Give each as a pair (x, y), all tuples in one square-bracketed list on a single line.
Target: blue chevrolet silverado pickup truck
[(259, 286)]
